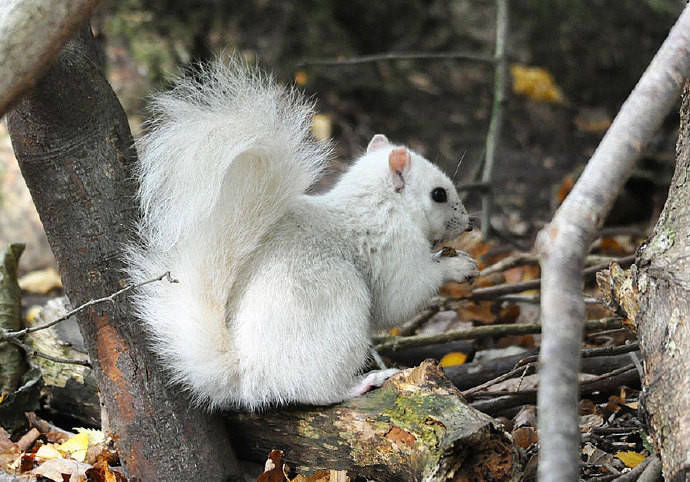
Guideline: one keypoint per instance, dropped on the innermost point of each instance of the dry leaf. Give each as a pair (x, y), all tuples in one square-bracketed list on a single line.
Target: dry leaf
[(48, 452), (301, 77), (273, 468), (41, 282), (481, 311), (630, 459), (564, 190), (54, 470), (592, 120), (101, 472), (321, 127), (525, 436), (453, 358), (76, 446), (324, 476), (536, 83)]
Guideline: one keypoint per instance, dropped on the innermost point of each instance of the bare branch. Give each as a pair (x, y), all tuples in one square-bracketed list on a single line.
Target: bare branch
[(398, 56), (393, 343), (13, 335), (495, 124), (521, 370), (491, 292), (31, 352), (563, 243), (32, 32)]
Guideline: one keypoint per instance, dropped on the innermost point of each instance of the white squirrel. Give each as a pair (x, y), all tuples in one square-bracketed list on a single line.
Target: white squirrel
[(278, 290)]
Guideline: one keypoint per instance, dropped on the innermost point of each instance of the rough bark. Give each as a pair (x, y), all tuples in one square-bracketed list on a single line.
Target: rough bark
[(75, 151), (655, 294), (416, 427), (563, 243), (32, 32), (12, 363)]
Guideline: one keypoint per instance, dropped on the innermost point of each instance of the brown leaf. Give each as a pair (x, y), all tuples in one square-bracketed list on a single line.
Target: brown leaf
[(101, 472), (273, 469), (401, 437), (525, 436)]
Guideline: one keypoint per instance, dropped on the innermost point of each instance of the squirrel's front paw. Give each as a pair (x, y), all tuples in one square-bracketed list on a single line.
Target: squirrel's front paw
[(459, 268)]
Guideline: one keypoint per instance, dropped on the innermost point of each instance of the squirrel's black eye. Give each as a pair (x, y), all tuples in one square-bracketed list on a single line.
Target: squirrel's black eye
[(439, 195)]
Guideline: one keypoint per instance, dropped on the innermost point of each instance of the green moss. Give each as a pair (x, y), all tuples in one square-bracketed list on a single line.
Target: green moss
[(306, 429), (412, 412)]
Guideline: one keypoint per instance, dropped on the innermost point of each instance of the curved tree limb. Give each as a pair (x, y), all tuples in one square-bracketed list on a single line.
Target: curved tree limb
[(563, 243), (24, 54)]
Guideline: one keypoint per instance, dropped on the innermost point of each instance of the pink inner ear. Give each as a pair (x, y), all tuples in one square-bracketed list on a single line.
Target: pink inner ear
[(399, 159)]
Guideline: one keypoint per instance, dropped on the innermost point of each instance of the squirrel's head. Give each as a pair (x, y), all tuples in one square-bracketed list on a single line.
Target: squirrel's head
[(427, 193)]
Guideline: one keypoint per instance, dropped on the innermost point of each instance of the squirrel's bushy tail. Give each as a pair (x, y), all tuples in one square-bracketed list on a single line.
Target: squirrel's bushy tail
[(226, 152)]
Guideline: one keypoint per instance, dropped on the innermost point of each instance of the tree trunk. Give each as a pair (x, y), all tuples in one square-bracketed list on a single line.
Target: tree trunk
[(655, 294), (663, 319), (75, 151)]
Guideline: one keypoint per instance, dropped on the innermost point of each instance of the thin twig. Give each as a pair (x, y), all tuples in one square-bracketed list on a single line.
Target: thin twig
[(505, 376), (394, 343), (592, 352), (584, 384), (410, 327), (491, 292), (398, 56), (32, 352), (494, 134), (512, 261), (10, 335)]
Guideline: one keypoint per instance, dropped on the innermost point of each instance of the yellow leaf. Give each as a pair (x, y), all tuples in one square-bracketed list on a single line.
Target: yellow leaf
[(453, 358), (536, 83), (321, 127), (41, 281), (301, 77), (630, 459), (32, 313), (76, 446), (95, 436), (395, 331), (48, 452)]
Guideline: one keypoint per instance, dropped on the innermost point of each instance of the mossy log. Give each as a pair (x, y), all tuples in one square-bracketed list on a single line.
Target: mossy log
[(415, 427)]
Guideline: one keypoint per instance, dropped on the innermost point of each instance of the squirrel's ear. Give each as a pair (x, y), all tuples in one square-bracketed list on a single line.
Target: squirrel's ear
[(399, 162), (379, 141)]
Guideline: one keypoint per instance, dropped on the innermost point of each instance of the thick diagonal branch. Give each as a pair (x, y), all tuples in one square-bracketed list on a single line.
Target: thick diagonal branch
[(563, 243), (26, 54)]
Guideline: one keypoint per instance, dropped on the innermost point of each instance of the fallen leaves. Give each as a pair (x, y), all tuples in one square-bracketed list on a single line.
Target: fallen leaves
[(83, 456), (536, 83), (276, 470)]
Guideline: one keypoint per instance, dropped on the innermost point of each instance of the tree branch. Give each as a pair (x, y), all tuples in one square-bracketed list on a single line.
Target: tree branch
[(26, 54), (398, 56), (563, 243), (393, 343), (495, 124), (9, 335)]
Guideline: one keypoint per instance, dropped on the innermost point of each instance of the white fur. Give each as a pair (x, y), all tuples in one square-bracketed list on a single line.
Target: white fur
[(278, 290)]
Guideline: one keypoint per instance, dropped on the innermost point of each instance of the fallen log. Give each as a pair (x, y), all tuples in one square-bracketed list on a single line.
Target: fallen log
[(415, 427)]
